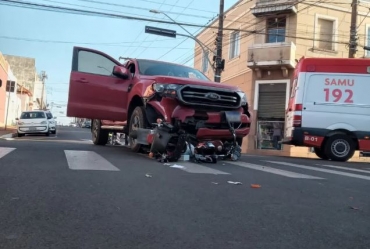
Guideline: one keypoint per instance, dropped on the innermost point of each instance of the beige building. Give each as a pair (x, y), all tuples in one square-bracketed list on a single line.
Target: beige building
[(24, 69), (260, 58)]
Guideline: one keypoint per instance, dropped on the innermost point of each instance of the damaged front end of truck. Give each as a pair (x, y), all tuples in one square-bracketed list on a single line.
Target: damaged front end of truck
[(194, 122)]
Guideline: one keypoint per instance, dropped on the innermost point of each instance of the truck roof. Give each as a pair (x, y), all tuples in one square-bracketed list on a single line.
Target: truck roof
[(334, 65)]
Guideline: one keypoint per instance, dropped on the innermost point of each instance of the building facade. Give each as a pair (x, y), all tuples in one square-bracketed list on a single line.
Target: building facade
[(11, 100), (262, 41), (24, 100), (3, 84), (24, 69)]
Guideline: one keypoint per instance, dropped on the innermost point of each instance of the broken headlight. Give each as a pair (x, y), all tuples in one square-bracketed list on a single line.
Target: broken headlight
[(243, 98), (166, 90)]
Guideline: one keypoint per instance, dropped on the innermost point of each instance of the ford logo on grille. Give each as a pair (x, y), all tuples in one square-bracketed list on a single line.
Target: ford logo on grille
[(212, 96)]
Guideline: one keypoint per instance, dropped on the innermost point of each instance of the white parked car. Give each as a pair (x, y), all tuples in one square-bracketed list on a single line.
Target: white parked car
[(52, 122), (32, 122)]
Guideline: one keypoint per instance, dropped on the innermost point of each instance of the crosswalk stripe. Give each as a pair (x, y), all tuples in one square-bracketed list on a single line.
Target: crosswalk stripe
[(322, 170), (5, 151), (87, 160), (198, 169), (275, 171), (344, 168), (87, 140)]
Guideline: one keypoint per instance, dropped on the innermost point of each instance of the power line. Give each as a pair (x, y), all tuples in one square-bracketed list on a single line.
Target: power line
[(90, 7), (140, 8), (86, 43), (74, 42), (65, 10), (156, 38), (148, 1)]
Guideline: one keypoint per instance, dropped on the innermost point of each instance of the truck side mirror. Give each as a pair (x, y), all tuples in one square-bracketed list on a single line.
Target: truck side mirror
[(121, 72)]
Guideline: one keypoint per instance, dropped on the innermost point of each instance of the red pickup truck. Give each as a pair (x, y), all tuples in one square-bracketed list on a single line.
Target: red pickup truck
[(163, 108)]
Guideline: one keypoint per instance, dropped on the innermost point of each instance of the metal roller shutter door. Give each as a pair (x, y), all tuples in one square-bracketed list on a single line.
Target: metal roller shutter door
[(271, 102)]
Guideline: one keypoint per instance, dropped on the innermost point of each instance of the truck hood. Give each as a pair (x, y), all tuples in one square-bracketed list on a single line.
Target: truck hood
[(187, 81)]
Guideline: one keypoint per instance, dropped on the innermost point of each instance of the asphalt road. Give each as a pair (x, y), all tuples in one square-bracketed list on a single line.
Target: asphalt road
[(63, 192)]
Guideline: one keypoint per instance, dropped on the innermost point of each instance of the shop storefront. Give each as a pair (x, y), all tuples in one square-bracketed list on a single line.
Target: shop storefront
[(271, 99), (269, 133)]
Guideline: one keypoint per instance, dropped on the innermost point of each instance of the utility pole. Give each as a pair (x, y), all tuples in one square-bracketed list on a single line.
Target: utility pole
[(43, 78), (353, 32), (219, 63)]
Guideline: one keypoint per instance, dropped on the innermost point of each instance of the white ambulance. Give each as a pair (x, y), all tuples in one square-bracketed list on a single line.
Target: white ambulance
[(329, 107)]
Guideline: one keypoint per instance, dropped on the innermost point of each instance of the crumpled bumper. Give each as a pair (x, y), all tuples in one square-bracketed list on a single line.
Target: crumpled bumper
[(214, 119)]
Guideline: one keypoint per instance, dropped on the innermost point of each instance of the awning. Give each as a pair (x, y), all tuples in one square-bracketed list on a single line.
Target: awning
[(271, 9)]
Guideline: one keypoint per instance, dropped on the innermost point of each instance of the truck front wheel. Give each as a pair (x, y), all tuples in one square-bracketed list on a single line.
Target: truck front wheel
[(99, 136), (137, 120), (320, 154), (339, 148)]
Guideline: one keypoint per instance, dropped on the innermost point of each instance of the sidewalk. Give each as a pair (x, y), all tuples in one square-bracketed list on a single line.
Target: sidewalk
[(9, 132)]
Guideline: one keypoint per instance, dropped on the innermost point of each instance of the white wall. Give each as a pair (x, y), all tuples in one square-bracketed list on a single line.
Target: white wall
[(11, 112), (37, 92), (23, 102)]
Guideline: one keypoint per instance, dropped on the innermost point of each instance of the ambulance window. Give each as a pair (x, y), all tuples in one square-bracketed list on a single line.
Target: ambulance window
[(293, 90)]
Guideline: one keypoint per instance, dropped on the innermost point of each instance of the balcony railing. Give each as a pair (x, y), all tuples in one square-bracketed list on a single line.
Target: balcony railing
[(270, 55)]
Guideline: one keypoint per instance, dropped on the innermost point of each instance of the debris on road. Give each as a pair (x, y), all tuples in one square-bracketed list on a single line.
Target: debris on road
[(235, 183), (354, 208), (148, 175), (167, 164), (177, 166), (255, 186), (215, 183)]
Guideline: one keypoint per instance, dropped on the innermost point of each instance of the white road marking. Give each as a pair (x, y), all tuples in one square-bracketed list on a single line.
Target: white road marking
[(252, 156), (322, 170), (87, 140), (275, 171), (199, 169), (344, 168), (9, 135), (87, 160), (5, 151)]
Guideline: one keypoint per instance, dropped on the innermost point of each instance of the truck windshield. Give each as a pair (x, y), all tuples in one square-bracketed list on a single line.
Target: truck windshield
[(147, 67)]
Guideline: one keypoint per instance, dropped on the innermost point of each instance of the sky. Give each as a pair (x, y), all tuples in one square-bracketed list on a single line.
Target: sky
[(50, 36)]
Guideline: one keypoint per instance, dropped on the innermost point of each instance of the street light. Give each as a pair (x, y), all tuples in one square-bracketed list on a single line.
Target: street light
[(191, 36)]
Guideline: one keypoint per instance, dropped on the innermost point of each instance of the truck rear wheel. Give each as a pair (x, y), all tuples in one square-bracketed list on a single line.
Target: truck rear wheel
[(339, 148), (99, 136), (320, 153), (137, 120)]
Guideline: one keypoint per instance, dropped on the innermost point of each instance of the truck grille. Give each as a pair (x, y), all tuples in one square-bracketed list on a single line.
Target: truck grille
[(195, 95)]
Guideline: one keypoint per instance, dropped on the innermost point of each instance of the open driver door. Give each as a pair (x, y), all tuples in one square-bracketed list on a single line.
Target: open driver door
[(98, 87)]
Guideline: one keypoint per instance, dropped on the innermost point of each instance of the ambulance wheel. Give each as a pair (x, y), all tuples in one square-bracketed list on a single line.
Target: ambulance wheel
[(99, 136), (320, 154), (137, 120), (339, 148)]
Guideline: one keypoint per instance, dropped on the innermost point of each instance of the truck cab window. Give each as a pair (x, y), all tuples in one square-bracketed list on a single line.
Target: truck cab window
[(90, 62)]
